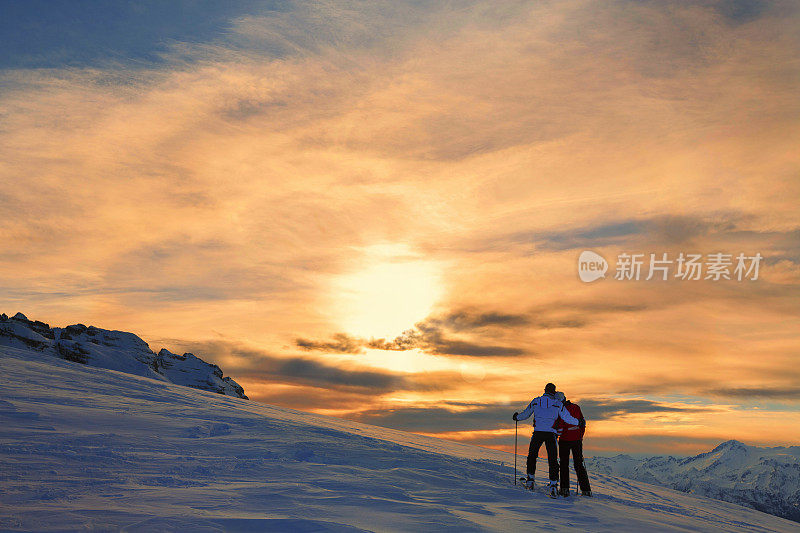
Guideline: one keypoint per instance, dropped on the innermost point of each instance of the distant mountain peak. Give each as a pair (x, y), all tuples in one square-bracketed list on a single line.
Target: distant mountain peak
[(115, 350), (730, 445)]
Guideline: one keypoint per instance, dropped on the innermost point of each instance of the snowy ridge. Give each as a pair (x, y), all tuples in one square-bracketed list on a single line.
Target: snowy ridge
[(95, 449), (115, 350), (767, 479)]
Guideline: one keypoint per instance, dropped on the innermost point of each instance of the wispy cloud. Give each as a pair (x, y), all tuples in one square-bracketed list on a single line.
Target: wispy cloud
[(340, 343), (433, 336), (750, 393)]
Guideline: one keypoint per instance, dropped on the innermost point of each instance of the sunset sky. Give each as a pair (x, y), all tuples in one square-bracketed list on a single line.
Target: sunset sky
[(375, 209)]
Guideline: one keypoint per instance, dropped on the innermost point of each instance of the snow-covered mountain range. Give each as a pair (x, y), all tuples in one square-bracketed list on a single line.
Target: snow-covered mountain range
[(90, 449), (115, 350), (767, 479)]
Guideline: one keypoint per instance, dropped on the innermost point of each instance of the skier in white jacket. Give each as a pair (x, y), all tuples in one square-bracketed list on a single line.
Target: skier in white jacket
[(546, 410)]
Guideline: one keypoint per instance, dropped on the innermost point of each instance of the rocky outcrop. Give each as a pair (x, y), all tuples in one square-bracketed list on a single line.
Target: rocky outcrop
[(72, 351), (185, 369), (115, 350), (23, 333)]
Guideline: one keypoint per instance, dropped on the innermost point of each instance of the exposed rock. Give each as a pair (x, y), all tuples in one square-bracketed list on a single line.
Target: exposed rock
[(72, 331), (42, 329), (185, 369), (38, 326), (236, 387), (71, 351)]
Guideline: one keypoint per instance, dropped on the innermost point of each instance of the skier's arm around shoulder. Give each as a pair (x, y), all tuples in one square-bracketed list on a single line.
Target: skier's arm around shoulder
[(566, 417), (581, 419)]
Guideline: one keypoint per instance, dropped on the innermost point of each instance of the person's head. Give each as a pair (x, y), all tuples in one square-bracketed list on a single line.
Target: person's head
[(561, 397), (549, 389)]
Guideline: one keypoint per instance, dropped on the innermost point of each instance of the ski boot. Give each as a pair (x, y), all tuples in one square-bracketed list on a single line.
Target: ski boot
[(586, 493), (529, 483), (552, 489), (564, 493)]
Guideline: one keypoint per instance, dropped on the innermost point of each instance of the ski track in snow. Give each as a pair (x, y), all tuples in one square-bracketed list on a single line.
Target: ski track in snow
[(93, 449)]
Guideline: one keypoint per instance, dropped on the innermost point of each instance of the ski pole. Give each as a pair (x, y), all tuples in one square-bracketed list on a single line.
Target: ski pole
[(515, 451)]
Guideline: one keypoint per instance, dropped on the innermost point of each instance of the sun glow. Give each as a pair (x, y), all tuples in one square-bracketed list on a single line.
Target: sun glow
[(394, 290)]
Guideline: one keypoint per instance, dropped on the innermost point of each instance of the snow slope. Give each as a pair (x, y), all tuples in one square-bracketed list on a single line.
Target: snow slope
[(767, 479), (91, 448), (114, 350)]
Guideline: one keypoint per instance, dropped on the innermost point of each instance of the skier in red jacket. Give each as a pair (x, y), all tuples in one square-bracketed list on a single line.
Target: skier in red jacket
[(571, 440)]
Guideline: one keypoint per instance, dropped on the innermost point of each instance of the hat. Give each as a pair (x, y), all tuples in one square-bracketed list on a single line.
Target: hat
[(561, 397)]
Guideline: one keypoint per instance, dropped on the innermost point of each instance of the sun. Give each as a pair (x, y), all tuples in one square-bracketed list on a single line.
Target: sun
[(389, 293)]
